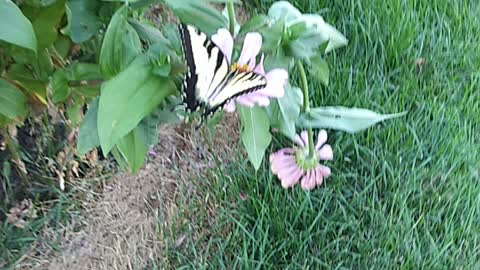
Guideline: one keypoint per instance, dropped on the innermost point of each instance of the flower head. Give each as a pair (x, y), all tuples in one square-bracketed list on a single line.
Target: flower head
[(293, 164), (276, 78)]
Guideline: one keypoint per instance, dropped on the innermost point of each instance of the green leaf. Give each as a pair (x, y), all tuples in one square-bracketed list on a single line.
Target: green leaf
[(148, 129), (341, 118), (127, 98), (88, 133), (16, 28), (59, 86), (319, 69), (304, 42), (335, 38), (133, 149), (45, 23), (120, 46), (24, 77), (284, 111), (74, 109), (256, 23), (171, 33), (59, 82), (194, 12), (62, 46), (82, 19), (13, 102), (86, 71), (148, 32), (256, 135), (40, 3), (272, 36), (284, 11)]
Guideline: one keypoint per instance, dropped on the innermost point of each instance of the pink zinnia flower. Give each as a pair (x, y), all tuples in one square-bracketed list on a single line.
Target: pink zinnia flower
[(292, 164), (276, 78)]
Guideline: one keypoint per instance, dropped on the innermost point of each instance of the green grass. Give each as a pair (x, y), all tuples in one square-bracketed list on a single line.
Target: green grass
[(404, 194)]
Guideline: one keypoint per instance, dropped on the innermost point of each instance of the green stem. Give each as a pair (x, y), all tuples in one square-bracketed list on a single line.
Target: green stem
[(306, 105), (82, 83), (231, 17)]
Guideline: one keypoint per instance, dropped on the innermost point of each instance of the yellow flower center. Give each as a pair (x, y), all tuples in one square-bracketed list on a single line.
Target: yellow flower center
[(240, 68)]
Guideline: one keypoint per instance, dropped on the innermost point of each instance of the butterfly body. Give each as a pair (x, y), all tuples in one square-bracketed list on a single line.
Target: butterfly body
[(211, 81)]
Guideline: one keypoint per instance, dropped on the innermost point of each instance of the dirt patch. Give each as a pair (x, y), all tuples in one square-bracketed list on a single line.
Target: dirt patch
[(125, 226)]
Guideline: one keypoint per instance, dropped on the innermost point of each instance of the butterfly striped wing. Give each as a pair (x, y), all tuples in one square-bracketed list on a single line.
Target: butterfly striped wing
[(209, 83), (235, 84)]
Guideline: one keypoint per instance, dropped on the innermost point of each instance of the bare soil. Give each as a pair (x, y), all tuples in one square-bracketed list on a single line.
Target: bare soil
[(123, 227)]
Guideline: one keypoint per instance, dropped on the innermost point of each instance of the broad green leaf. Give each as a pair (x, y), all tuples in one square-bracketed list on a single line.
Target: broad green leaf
[(86, 71), (167, 114), (88, 133), (287, 13), (120, 46), (62, 46), (304, 42), (272, 36), (148, 32), (197, 13), (42, 65), (59, 86), (25, 77), (342, 118), (127, 98), (77, 72), (45, 23), (319, 69), (256, 135), (40, 3), (335, 38), (122, 162), (16, 28), (133, 149), (170, 31), (13, 102), (82, 19), (277, 60), (256, 23), (148, 129), (284, 11), (284, 111)]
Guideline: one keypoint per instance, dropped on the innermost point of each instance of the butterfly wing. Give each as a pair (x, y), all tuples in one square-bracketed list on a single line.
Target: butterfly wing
[(235, 84), (207, 66), (209, 83)]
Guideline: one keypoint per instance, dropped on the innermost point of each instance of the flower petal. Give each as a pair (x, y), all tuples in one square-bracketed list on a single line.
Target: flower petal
[(298, 140), (276, 80), (308, 181), (326, 172), (251, 99), (292, 179), (230, 106), (251, 47), (322, 138), (287, 172), (319, 176), (224, 41), (304, 136), (325, 153)]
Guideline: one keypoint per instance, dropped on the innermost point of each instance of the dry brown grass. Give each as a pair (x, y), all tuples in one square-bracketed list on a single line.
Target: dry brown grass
[(123, 227)]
